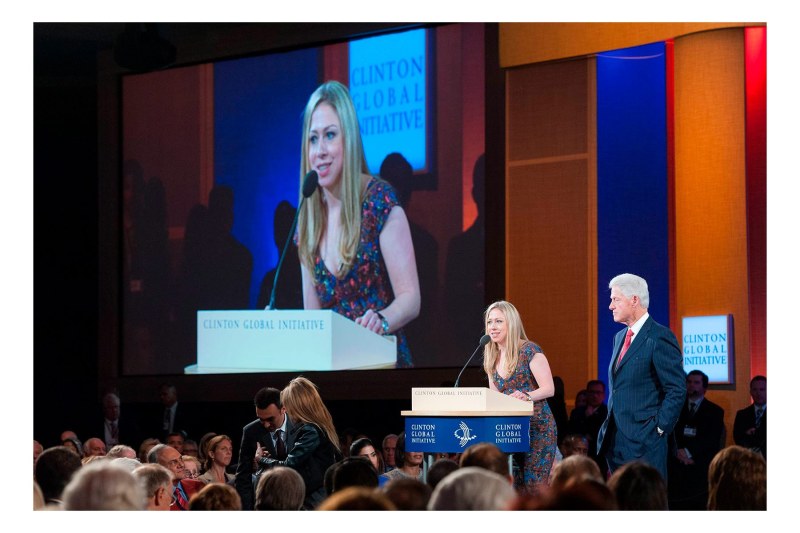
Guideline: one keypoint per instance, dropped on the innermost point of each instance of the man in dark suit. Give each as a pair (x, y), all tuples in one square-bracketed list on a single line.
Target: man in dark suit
[(587, 419), (646, 378), (175, 417), (183, 488), (696, 440), (262, 438), (750, 424), (114, 429)]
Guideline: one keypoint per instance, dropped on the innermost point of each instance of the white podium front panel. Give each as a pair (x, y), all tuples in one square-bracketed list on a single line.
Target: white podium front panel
[(286, 341)]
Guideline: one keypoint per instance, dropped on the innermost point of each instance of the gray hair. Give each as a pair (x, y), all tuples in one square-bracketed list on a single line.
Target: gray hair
[(280, 489), (151, 477), (103, 486), (472, 488), (119, 451), (632, 285), (155, 451), (126, 462)]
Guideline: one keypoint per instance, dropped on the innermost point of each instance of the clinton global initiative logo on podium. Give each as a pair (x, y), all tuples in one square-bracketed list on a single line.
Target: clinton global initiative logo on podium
[(463, 434)]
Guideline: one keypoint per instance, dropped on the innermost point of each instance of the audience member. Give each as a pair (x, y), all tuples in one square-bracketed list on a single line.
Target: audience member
[(697, 438), (176, 440), (472, 488), (175, 417), (156, 483), (573, 469), (487, 455), (121, 450), (363, 447), (183, 489), (115, 430), (354, 472), (327, 480), (357, 499), (191, 467), (638, 486), (266, 435), (38, 497), (312, 444), (125, 462), (216, 497), (388, 447), (103, 486), (409, 464), (94, 446), (588, 419), (408, 494), (750, 425), (145, 447), (737, 481), (220, 452), (190, 448), (73, 444), (580, 399), (574, 444), (347, 438), (53, 470), (37, 451), (202, 446), (439, 470), (280, 489), (586, 495)]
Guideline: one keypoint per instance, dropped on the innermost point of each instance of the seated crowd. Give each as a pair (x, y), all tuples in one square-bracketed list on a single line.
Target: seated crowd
[(319, 470)]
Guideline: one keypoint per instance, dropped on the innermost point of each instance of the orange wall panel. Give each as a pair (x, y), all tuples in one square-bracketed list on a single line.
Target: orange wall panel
[(710, 194)]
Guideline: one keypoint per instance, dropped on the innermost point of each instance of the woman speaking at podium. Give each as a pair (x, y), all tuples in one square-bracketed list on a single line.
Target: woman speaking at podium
[(517, 367), (353, 237)]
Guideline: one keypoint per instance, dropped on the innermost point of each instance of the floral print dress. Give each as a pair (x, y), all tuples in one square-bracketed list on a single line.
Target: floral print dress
[(538, 461), (366, 285)]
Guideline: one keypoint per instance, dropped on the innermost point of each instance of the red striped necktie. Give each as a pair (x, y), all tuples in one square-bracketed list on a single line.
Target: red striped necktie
[(628, 337)]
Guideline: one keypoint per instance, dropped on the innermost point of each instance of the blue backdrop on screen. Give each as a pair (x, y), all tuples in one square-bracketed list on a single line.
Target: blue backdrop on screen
[(258, 106), (388, 87), (632, 211)]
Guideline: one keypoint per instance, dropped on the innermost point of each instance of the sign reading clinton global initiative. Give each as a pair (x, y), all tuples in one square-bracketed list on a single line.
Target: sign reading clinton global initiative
[(456, 434), (388, 87), (708, 346)]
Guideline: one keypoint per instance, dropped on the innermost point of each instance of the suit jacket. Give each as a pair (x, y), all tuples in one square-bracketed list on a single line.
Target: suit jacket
[(128, 431), (311, 453), (190, 487), (688, 484), (184, 421), (647, 392), (253, 434), (746, 419)]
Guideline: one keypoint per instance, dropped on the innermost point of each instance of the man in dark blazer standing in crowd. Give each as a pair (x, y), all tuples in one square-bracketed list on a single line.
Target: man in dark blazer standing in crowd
[(646, 380), (697, 438), (750, 425), (266, 435)]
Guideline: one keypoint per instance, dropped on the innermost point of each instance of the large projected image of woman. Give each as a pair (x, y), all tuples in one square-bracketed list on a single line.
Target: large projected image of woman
[(353, 236)]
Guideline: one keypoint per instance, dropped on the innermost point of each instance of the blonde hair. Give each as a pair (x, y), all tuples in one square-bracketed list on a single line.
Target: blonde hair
[(304, 405), (313, 216), (515, 335)]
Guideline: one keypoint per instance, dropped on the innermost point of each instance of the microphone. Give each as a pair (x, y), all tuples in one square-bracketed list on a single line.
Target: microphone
[(483, 342), (310, 182)]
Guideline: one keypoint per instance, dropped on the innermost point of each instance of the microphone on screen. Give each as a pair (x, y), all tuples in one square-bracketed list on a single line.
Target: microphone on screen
[(310, 182)]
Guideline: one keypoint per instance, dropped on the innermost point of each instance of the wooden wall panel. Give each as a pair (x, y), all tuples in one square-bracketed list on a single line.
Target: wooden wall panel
[(710, 193), (550, 213)]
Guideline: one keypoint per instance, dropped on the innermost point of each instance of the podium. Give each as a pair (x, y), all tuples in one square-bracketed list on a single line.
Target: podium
[(449, 420), (294, 340)]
